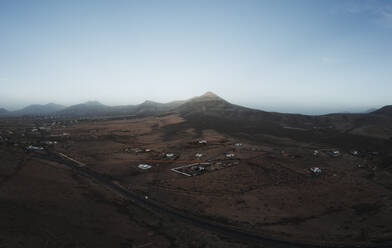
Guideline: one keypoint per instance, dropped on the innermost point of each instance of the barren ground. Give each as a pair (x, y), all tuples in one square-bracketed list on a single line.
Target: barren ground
[(271, 191)]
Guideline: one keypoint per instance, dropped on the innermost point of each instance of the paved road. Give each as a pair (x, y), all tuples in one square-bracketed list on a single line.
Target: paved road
[(197, 221)]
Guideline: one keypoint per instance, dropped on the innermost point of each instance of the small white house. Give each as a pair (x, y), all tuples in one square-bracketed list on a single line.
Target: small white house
[(355, 153), (230, 155), (315, 170), (198, 155), (335, 153), (144, 166)]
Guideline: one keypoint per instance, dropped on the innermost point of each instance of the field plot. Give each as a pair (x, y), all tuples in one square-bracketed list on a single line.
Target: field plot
[(200, 168)]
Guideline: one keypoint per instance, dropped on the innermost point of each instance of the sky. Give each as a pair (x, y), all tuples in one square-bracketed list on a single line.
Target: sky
[(302, 56)]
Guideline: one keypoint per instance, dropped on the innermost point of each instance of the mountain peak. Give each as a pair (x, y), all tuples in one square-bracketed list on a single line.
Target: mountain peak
[(93, 103), (207, 97), (52, 104), (209, 94), (149, 103)]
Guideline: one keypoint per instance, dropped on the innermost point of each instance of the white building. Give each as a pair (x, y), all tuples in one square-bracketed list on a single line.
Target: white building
[(198, 155), (315, 170), (144, 166)]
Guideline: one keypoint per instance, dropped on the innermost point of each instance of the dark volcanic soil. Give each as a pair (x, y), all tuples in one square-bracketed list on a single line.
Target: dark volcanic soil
[(271, 192)]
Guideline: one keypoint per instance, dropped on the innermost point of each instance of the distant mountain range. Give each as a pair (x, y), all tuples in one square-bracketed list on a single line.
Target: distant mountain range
[(208, 102), (89, 109), (37, 109), (213, 111), (34, 109)]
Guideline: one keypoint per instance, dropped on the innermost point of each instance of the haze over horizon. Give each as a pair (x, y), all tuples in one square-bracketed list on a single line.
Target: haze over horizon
[(299, 56)]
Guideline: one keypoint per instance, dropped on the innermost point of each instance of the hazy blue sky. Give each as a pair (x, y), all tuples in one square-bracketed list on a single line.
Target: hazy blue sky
[(291, 55)]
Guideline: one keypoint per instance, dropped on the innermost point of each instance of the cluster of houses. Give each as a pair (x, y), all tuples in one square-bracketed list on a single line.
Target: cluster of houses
[(336, 153), (200, 168), (50, 142), (137, 150), (199, 142)]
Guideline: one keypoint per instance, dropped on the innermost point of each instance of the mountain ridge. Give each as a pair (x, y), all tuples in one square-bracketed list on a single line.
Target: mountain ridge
[(38, 109), (207, 103), (386, 110)]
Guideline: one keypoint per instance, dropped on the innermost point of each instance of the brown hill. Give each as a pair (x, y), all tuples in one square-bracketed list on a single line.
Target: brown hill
[(211, 111)]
